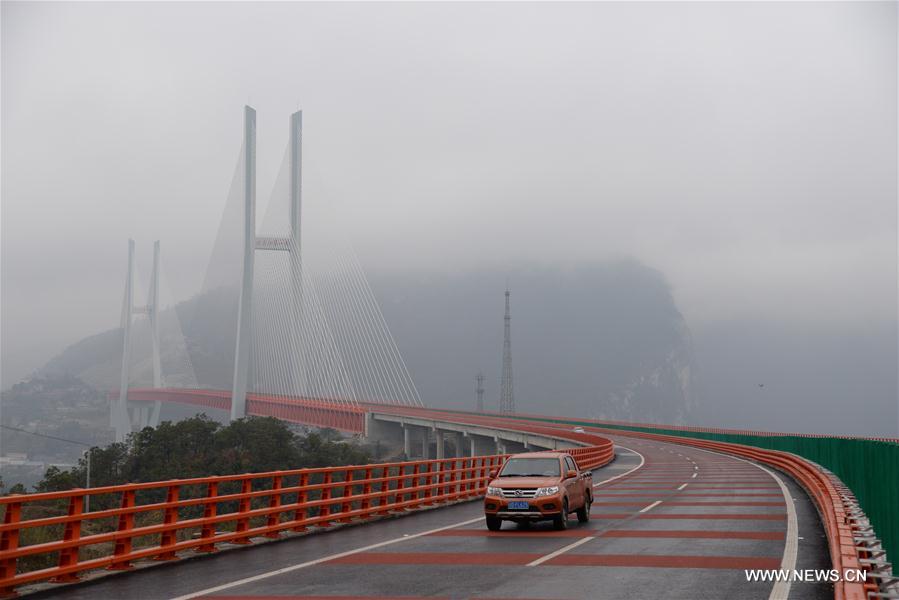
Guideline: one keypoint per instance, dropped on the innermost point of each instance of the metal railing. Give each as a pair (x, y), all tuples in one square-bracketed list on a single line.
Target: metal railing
[(156, 520), (868, 467), (823, 489)]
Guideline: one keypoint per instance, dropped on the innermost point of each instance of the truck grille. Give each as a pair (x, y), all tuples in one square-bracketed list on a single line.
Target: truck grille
[(519, 493)]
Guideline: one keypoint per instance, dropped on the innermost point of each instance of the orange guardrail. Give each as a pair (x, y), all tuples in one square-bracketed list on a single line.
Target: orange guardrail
[(320, 412), (593, 457), (821, 490), (157, 519)]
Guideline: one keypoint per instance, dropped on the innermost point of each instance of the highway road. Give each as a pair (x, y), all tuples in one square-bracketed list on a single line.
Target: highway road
[(668, 521)]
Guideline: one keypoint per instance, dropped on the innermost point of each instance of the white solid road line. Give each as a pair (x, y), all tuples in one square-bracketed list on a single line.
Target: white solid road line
[(317, 561), (654, 504), (781, 589), (543, 559), (226, 586), (642, 462)]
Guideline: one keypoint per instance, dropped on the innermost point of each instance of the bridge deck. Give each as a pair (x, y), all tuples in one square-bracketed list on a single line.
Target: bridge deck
[(695, 543)]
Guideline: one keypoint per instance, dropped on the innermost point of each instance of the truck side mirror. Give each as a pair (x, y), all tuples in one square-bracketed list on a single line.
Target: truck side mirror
[(571, 473), (493, 474)]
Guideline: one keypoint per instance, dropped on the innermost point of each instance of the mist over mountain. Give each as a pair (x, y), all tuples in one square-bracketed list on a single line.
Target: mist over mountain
[(603, 340), (196, 348), (799, 375)]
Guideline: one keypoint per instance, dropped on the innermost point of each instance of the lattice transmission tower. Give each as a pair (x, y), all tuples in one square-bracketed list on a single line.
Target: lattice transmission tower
[(507, 396), (479, 378)]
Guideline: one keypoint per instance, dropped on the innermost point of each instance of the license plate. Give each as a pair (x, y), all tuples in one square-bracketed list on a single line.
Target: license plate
[(518, 505)]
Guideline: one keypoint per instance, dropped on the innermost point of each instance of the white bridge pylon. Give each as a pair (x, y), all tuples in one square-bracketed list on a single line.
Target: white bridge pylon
[(122, 421), (252, 243), (306, 330)]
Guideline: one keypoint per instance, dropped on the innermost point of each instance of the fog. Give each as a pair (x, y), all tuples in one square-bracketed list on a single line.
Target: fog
[(747, 151)]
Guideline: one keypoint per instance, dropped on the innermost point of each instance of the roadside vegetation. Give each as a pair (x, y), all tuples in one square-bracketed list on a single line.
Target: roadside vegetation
[(195, 447), (200, 447)]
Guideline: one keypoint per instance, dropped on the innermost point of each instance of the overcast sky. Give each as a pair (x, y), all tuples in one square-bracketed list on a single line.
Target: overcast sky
[(747, 150)]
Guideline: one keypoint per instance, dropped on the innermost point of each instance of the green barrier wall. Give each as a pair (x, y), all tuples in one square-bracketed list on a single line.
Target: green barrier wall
[(869, 468)]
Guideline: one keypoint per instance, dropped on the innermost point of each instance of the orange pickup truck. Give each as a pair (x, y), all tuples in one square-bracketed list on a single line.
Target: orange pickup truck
[(538, 486)]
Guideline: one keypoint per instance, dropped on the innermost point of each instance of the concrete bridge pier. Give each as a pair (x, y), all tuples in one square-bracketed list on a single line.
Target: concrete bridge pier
[(514, 447), (407, 441), (459, 443), (416, 441), (482, 446), (388, 433), (402, 434), (142, 414), (441, 443)]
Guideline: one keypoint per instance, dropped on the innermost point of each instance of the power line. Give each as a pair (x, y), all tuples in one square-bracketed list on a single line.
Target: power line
[(49, 437), (87, 453)]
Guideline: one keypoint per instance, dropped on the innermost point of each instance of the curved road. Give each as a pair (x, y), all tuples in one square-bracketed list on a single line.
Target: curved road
[(668, 521)]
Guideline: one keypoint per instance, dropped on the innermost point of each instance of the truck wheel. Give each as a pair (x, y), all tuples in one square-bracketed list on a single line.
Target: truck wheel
[(494, 523), (561, 522), (583, 513)]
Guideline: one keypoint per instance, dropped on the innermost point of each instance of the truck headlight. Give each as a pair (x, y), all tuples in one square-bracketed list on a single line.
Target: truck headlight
[(547, 491), (494, 491)]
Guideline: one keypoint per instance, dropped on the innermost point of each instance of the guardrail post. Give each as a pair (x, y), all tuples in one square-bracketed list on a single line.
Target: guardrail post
[(441, 479), (463, 477), (69, 556), (482, 474), (401, 486), (346, 506), (209, 511), (325, 509), (365, 504), (416, 484), (454, 486), (470, 475), (123, 544), (447, 469), (383, 498), (429, 480), (299, 513), (169, 537), (274, 501), (243, 507), (9, 541)]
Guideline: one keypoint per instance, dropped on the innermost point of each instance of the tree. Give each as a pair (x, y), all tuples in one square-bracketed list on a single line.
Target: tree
[(198, 447), (256, 444), (55, 480)]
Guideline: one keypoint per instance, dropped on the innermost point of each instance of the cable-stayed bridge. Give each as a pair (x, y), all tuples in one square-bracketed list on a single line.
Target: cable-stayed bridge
[(676, 512), (304, 325)]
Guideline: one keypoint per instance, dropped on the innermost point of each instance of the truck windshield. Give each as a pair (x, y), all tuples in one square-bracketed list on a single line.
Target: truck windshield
[(531, 467)]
